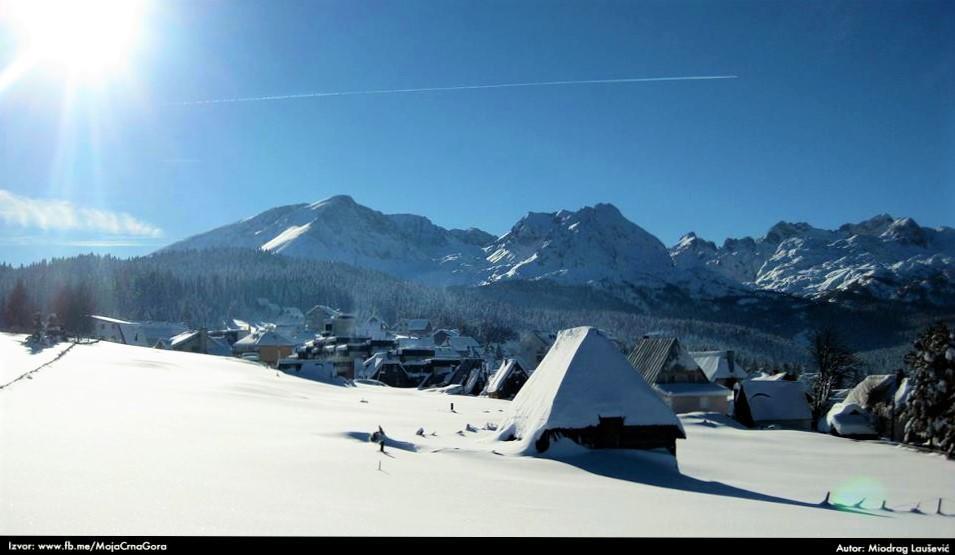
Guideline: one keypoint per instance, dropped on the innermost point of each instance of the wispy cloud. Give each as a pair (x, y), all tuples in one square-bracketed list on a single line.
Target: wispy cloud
[(62, 215), (461, 88)]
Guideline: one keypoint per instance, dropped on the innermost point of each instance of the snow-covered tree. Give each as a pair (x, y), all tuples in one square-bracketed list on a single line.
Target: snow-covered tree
[(930, 409)]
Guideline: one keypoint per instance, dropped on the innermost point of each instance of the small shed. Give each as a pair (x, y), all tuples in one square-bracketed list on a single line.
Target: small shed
[(777, 403), (584, 390), (508, 380)]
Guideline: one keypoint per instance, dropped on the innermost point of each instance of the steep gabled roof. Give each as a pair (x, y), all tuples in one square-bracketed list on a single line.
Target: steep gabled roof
[(718, 365), (582, 378), (507, 367), (771, 400), (177, 340), (113, 320), (268, 338), (871, 390), (651, 355), (656, 354)]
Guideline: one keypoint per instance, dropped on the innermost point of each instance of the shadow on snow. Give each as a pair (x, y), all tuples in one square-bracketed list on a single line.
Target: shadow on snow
[(661, 470)]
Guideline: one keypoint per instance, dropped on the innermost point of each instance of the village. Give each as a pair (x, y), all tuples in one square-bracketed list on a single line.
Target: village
[(332, 346), (364, 427)]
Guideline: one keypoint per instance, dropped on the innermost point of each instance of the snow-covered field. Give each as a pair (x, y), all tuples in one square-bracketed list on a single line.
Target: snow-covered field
[(113, 439)]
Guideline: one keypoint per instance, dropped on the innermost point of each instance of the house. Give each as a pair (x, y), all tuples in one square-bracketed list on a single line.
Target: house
[(270, 346), (373, 328), (720, 367), (326, 320), (198, 341), (676, 377), (465, 345), (329, 321), (508, 380), (118, 331), (414, 327), (848, 420), (585, 391), (882, 397), (777, 403)]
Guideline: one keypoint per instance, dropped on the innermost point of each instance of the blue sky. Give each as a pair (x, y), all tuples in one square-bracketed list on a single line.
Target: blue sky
[(842, 110)]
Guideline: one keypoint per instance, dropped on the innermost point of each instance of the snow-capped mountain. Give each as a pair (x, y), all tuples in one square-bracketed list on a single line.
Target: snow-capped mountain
[(340, 229), (890, 258), (593, 244), (596, 245)]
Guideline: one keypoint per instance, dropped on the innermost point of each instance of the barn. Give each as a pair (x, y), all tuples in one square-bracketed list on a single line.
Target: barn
[(584, 390)]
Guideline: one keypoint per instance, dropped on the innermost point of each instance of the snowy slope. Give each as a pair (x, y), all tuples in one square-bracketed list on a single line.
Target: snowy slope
[(113, 439), (17, 358), (342, 230), (886, 257)]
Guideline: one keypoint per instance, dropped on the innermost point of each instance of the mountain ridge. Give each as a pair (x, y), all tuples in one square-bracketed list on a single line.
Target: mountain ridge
[(883, 256)]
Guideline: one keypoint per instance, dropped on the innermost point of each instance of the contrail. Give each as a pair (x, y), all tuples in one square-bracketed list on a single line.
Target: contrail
[(458, 88)]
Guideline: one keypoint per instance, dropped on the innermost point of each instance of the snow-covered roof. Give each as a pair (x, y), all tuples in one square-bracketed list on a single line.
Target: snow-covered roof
[(718, 365), (182, 338), (463, 343), (583, 377), (268, 338), (654, 355), (415, 342), (764, 377), (508, 366), (417, 324), (776, 400), (692, 389), (903, 392), (113, 320), (872, 389), (848, 419)]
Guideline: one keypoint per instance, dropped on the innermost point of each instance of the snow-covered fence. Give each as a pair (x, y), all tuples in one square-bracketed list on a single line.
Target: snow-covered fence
[(912, 506)]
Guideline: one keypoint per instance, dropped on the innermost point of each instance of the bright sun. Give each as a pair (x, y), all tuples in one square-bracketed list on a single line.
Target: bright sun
[(84, 37)]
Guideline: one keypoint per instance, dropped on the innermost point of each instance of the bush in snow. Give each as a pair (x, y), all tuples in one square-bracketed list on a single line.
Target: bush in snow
[(930, 409)]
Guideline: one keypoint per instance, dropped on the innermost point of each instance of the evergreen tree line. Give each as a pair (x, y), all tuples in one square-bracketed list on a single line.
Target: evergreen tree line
[(211, 287)]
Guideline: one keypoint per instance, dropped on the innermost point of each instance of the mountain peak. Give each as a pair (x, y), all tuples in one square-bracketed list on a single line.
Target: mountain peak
[(335, 200)]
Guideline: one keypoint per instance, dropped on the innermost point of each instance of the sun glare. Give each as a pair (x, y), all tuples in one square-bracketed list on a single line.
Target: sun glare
[(85, 37)]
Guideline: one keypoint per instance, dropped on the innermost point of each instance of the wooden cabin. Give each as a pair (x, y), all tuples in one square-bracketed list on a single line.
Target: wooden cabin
[(676, 377)]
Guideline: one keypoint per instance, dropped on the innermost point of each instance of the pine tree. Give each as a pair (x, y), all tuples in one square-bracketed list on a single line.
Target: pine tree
[(18, 311), (930, 409)]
